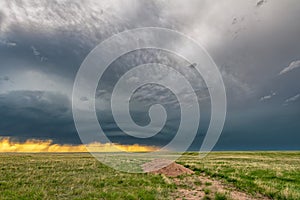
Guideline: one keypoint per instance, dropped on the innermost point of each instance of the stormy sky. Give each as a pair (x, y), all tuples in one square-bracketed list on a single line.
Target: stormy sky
[(255, 45)]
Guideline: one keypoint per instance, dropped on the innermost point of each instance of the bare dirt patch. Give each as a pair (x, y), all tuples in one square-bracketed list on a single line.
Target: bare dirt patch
[(200, 186)]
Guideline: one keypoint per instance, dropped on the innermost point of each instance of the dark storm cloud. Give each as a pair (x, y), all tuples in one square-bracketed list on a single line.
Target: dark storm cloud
[(254, 44), (263, 127), (37, 114), (47, 115)]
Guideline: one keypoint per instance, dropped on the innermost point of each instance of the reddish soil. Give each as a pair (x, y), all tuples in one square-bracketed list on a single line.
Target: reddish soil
[(166, 167)]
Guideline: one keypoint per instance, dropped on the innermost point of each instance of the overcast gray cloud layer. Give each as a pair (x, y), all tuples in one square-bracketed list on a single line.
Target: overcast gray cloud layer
[(255, 45)]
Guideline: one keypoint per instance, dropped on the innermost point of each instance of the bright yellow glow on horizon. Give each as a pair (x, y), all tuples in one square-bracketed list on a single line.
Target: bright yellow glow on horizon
[(6, 145)]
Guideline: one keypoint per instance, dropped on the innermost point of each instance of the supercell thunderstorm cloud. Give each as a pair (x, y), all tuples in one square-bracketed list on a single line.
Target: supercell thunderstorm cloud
[(255, 46)]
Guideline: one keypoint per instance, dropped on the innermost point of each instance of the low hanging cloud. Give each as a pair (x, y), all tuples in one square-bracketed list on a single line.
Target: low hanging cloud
[(38, 54), (293, 65), (292, 99), (260, 3), (268, 96), (7, 43)]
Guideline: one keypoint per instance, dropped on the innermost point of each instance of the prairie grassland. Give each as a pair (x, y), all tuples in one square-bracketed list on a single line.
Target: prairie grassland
[(273, 174), (73, 176), (80, 176)]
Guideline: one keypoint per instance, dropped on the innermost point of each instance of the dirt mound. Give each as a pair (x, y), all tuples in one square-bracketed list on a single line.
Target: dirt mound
[(166, 167)]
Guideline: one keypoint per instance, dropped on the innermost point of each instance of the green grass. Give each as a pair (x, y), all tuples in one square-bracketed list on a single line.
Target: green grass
[(206, 191), (220, 196), (273, 174), (73, 176), (81, 176)]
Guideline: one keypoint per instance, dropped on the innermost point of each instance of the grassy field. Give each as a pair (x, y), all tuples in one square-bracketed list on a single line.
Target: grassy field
[(73, 176), (273, 174), (80, 176)]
